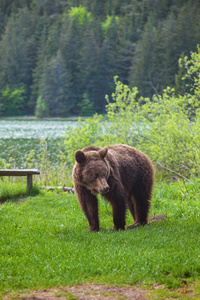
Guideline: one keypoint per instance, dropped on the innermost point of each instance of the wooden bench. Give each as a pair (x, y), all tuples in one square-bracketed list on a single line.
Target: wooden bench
[(21, 172)]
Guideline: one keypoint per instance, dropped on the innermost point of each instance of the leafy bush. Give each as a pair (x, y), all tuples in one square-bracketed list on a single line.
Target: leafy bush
[(87, 107), (161, 127), (12, 101), (87, 132), (41, 109), (192, 74)]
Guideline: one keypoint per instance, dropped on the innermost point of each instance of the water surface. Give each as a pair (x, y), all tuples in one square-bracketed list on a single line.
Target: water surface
[(37, 129), (19, 137)]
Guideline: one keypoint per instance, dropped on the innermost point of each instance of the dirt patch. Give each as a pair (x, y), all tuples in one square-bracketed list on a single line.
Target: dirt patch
[(94, 291), (82, 292)]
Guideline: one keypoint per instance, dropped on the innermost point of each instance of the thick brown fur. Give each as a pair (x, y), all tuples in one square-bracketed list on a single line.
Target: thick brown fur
[(122, 174)]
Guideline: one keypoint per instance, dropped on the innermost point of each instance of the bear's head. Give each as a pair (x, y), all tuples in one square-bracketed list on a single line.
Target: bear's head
[(92, 170)]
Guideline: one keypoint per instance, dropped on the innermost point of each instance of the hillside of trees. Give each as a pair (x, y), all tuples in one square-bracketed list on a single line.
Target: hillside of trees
[(59, 57)]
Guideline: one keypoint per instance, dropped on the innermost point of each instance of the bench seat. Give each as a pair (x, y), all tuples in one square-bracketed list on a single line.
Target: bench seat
[(21, 172)]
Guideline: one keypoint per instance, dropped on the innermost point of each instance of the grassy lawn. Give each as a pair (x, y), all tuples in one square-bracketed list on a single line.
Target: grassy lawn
[(44, 242)]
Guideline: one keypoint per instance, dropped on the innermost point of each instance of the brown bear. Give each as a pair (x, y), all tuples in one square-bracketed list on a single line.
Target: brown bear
[(122, 174)]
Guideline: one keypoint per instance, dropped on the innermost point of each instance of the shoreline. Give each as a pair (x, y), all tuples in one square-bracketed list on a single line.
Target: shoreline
[(33, 118)]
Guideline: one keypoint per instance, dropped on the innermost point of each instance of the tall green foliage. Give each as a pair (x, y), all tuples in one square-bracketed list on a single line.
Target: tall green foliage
[(192, 75), (145, 72), (166, 128), (80, 13), (140, 41), (161, 128), (41, 109), (54, 87), (88, 132), (17, 55), (12, 101), (87, 108), (71, 44), (162, 43)]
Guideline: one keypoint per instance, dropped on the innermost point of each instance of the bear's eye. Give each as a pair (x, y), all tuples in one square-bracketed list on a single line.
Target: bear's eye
[(96, 176)]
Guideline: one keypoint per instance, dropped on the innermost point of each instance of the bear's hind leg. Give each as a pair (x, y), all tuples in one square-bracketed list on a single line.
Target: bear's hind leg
[(130, 205), (141, 204)]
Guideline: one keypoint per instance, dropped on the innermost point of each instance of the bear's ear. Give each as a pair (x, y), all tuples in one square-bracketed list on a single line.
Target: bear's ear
[(103, 152), (80, 156)]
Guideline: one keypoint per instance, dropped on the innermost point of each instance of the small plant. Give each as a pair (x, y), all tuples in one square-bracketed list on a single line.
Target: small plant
[(87, 107), (41, 109)]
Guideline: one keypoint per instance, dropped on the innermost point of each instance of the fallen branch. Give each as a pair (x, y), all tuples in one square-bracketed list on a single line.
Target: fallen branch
[(64, 188), (69, 190), (168, 169), (156, 218)]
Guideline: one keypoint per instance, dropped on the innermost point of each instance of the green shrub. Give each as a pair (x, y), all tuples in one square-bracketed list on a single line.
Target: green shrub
[(87, 107), (192, 76), (41, 109), (87, 132), (12, 101), (161, 127)]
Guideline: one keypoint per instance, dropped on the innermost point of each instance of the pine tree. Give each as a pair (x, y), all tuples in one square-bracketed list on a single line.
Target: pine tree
[(54, 88), (145, 71), (71, 44), (40, 65)]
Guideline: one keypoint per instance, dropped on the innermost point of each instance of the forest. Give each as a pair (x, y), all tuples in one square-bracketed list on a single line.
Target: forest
[(59, 57)]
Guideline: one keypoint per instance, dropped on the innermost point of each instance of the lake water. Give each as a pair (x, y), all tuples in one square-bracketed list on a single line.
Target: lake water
[(19, 137), (37, 129)]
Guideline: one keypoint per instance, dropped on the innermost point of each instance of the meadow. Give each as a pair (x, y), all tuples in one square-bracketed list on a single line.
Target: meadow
[(44, 243)]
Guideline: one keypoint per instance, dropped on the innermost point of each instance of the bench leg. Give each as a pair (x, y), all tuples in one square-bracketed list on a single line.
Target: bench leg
[(29, 182)]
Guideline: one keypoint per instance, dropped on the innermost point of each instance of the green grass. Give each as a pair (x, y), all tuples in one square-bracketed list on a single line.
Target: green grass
[(13, 190), (44, 242)]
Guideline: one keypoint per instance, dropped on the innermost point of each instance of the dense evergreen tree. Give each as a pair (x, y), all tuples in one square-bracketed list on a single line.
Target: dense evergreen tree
[(145, 72), (57, 52), (162, 43), (71, 44), (55, 89), (40, 64), (17, 54)]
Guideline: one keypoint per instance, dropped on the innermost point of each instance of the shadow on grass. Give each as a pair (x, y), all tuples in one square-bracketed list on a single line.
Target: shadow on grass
[(12, 192)]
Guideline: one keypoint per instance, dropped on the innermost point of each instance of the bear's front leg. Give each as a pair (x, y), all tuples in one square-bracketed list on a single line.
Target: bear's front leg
[(117, 198), (119, 215), (89, 205)]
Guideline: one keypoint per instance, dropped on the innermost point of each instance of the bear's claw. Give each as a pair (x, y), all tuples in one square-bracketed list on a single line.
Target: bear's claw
[(136, 224)]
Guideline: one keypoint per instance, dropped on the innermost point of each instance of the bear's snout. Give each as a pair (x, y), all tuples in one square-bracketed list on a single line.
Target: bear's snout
[(105, 190), (101, 186)]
